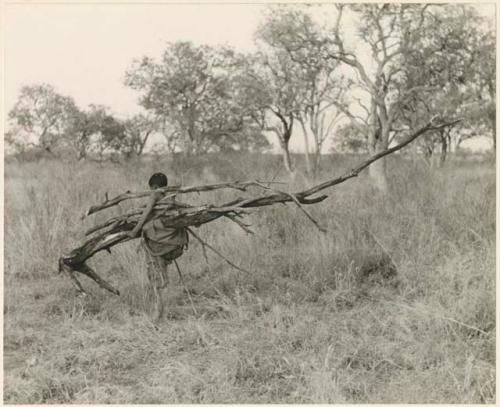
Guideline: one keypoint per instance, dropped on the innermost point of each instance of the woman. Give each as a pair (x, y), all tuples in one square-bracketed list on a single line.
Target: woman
[(162, 243)]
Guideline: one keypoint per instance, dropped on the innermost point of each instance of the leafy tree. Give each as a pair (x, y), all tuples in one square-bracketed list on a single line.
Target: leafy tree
[(137, 130), (81, 128), (84, 128), (481, 86), (95, 130), (111, 136), (192, 89), (41, 117), (461, 68)]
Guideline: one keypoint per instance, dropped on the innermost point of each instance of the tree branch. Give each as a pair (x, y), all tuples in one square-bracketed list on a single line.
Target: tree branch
[(355, 171), (238, 185)]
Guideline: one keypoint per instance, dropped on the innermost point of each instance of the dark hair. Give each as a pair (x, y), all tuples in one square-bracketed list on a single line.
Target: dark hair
[(158, 180)]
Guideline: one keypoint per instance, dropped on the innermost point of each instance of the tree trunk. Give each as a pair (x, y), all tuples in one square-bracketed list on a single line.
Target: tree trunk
[(306, 147), (377, 143), (378, 174), (142, 143), (444, 148), (428, 155), (317, 159), (188, 148), (284, 138), (286, 157), (82, 145)]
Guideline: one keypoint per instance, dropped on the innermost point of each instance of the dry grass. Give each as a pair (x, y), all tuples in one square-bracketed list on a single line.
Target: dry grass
[(320, 318)]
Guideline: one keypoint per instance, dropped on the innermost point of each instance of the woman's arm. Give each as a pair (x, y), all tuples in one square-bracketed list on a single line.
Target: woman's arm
[(172, 200), (149, 209)]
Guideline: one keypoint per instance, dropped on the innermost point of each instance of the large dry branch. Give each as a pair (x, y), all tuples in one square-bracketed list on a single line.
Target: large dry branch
[(174, 190), (176, 215)]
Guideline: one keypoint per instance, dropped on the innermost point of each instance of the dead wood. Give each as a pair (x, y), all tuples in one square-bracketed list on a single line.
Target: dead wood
[(174, 190), (176, 215)]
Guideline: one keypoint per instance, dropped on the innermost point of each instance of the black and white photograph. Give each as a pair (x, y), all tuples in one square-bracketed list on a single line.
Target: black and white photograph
[(249, 202)]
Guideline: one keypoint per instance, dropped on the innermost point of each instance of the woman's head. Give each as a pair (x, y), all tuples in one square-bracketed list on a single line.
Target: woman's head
[(158, 180)]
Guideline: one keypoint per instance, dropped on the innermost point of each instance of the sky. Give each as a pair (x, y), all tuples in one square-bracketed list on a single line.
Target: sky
[(83, 50)]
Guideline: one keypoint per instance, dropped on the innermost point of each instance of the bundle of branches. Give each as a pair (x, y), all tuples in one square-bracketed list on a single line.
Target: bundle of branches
[(176, 215)]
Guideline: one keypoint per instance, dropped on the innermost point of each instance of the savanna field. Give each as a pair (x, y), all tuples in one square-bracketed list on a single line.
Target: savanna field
[(395, 303)]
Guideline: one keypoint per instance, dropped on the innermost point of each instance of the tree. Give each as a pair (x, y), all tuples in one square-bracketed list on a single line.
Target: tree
[(279, 81), (95, 130), (82, 127), (446, 104), (481, 86), (16, 140), (111, 135), (318, 87), (42, 117), (461, 68), (193, 89), (387, 32), (137, 130), (389, 36), (270, 82)]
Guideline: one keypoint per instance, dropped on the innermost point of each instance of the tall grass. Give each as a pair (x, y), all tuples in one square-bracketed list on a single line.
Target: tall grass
[(395, 303)]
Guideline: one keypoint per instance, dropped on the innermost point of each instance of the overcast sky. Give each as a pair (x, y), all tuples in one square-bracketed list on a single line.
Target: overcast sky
[(83, 50)]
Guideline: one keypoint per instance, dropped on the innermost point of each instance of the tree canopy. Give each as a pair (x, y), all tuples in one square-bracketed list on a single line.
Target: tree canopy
[(195, 89)]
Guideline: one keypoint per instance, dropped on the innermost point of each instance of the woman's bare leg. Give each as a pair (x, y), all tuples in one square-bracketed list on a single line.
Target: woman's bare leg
[(156, 281), (163, 274), (158, 301)]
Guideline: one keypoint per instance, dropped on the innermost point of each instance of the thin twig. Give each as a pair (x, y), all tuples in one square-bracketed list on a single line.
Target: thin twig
[(296, 201), (309, 216), (377, 241), (425, 312), (205, 255), (88, 271), (185, 288), (433, 313), (203, 243), (75, 281), (474, 328), (242, 225)]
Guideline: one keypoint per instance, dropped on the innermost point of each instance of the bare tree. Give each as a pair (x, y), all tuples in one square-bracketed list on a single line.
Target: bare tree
[(271, 82), (320, 88), (391, 38)]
